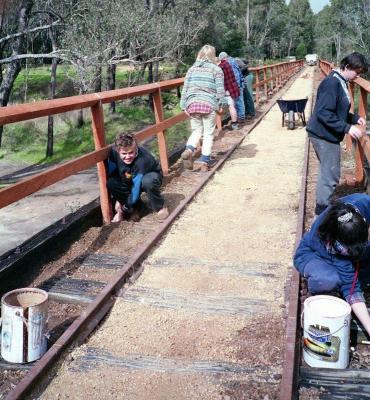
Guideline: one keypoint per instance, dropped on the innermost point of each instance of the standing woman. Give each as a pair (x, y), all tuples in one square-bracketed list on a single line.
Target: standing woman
[(202, 96)]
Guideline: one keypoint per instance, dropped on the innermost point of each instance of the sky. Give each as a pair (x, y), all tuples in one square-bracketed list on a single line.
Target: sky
[(317, 5)]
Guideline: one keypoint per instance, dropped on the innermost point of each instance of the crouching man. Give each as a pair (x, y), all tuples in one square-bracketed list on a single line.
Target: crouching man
[(132, 170)]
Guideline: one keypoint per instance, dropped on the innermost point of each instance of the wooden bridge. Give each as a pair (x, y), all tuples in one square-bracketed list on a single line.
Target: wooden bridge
[(218, 290)]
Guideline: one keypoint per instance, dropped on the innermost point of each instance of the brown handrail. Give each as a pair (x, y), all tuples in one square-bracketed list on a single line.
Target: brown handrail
[(362, 147), (274, 76)]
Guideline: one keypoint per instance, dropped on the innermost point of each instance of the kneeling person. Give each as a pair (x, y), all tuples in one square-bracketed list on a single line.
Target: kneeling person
[(133, 169), (335, 253)]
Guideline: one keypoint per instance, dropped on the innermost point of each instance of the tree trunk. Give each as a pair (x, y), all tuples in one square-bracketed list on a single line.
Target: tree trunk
[(111, 82), (14, 67), (247, 23), (80, 118), (142, 72), (156, 72), (150, 80), (177, 75), (97, 79)]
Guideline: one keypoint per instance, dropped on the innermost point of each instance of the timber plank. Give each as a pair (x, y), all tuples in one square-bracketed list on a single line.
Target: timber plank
[(210, 304)]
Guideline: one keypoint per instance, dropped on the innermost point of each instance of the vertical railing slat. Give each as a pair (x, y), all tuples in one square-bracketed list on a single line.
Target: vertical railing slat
[(99, 140), (159, 116)]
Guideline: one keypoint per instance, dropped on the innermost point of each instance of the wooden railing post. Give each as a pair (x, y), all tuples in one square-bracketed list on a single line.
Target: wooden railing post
[(362, 103), (257, 87), (276, 78), (99, 140), (359, 162), (159, 117), (265, 79)]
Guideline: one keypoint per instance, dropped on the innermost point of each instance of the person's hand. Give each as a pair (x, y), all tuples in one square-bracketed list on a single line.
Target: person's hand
[(118, 207), (186, 113), (361, 121), (355, 132), (220, 111)]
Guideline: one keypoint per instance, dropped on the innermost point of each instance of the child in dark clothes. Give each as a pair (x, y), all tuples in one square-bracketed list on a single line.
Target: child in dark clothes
[(132, 169), (335, 253)]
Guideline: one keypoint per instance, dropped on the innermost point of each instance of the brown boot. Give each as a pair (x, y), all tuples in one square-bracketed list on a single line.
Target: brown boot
[(202, 166), (162, 214), (187, 159)]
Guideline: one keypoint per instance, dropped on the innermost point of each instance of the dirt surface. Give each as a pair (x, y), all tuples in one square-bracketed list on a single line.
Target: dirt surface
[(205, 319)]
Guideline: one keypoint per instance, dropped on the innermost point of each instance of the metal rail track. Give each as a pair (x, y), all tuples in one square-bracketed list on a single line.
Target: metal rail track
[(319, 383), (94, 297)]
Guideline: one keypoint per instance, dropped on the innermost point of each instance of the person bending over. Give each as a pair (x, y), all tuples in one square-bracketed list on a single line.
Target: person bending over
[(132, 170), (335, 253)]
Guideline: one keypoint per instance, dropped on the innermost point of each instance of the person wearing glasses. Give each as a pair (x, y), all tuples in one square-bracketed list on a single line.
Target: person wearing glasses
[(330, 121)]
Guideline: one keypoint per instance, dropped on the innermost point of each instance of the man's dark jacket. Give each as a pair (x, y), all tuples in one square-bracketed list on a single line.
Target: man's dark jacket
[(331, 118)]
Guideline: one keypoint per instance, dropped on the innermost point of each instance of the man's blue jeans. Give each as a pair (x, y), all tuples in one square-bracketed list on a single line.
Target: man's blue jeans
[(239, 106)]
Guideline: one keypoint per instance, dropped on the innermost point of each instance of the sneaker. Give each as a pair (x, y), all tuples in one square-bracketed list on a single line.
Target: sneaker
[(202, 165), (163, 213), (187, 159), (234, 126)]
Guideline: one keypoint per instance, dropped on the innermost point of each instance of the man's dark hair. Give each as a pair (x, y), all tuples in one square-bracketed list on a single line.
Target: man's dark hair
[(343, 223), (355, 61), (125, 140)]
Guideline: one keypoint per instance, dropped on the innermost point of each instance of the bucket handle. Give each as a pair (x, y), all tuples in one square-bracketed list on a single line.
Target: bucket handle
[(25, 321), (325, 334)]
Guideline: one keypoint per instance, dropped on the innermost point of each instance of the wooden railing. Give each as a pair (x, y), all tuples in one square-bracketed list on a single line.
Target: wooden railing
[(274, 76), (359, 90), (270, 78)]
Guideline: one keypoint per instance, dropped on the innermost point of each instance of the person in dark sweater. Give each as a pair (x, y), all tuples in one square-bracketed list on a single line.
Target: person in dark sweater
[(330, 121), (132, 169), (335, 253)]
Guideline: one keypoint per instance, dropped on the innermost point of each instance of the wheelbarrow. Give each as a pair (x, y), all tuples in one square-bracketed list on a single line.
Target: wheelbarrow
[(291, 107)]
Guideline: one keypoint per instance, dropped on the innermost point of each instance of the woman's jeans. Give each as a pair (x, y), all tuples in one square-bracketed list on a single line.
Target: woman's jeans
[(202, 127)]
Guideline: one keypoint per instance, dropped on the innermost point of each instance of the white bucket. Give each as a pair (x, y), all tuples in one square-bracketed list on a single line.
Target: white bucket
[(24, 322), (326, 332)]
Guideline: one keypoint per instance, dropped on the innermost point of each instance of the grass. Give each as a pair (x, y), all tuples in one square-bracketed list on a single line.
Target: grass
[(26, 141), (33, 84)]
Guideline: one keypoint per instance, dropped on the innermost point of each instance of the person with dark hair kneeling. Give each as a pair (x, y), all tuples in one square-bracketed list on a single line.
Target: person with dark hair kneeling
[(335, 253), (132, 169)]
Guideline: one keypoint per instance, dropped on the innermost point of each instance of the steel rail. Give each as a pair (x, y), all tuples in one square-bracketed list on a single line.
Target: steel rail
[(289, 381), (94, 313)]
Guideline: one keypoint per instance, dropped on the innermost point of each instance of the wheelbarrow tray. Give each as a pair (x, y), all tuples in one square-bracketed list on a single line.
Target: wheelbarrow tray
[(292, 105)]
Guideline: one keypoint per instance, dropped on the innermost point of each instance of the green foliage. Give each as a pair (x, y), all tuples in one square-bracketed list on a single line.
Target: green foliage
[(341, 28), (300, 51)]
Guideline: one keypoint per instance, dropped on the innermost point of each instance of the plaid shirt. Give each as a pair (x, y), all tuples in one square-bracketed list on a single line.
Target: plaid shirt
[(229, 79), (356, 297), (199, 108)]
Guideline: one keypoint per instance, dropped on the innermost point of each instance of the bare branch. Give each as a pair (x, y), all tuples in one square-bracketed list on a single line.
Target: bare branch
[(38, 28)]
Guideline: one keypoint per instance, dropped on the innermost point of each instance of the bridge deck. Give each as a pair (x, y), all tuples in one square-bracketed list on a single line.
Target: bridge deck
[(205, 320)]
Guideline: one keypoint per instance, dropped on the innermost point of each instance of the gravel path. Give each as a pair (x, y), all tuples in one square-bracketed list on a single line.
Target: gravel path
[(205, 320)]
